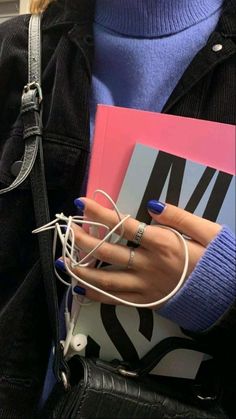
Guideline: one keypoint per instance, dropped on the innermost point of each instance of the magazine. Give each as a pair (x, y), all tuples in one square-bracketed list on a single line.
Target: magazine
[(138, 156)]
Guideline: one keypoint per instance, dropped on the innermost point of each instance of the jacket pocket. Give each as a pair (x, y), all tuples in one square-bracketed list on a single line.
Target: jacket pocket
[(65, 159), (65, 167)]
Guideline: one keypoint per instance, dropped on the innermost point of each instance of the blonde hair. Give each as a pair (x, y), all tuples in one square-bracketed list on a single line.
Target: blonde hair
[(37, 6)]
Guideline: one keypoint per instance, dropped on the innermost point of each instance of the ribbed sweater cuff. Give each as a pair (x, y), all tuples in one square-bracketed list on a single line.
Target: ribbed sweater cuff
[(209, 290)]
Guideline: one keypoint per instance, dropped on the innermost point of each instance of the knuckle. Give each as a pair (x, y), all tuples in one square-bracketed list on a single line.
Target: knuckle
[(156, 241), (79, 234), (92, 209), (177, 218), (77, 237), (180, 219), (103, 252), (79, 272), (107, 283)]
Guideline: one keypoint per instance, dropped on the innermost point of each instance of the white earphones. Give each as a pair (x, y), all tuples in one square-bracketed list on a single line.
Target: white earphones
[(73, 343), (78, 342), (71, 257)]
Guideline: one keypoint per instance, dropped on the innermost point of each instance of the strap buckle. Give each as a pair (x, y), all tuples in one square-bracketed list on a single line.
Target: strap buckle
[(125, 373), (34, 86)]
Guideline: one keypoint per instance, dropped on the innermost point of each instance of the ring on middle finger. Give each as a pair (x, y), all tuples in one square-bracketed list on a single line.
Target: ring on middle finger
[(131, 258), (139, 233)]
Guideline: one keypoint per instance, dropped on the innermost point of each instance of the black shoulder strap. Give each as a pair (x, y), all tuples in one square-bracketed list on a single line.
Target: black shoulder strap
[(33, 166), (161, 349)]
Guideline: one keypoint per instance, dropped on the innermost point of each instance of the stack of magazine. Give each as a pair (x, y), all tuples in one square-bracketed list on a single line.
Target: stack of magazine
[(138, 156)]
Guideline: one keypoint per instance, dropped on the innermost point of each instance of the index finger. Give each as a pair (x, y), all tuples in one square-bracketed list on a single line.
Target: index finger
[(200, 229)]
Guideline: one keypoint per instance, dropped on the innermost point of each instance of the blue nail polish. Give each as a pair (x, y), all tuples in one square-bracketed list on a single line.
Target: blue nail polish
[(64, 229), (79, 204), (80, 290), (60, 265), (156, 207)]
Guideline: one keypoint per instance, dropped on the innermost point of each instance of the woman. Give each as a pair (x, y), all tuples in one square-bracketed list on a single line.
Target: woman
[(168, 56)]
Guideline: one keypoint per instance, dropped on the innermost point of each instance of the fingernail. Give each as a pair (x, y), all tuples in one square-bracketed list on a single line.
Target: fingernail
[(80, 290), (79, 204), (156, 207), (60, 265)]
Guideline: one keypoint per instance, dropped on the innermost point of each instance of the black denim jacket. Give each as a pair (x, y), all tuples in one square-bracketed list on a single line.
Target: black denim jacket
[(206, 90)]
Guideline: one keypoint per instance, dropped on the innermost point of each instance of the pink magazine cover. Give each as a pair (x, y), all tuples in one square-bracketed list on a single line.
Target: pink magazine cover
[(117, 130)]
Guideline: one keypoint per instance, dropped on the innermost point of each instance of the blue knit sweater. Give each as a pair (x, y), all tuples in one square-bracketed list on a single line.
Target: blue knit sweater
[(142, 48)]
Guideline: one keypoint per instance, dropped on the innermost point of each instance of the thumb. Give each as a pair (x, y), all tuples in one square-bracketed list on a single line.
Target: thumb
[(199, 229)]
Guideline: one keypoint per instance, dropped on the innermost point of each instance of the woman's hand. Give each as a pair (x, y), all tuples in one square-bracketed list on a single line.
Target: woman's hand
[(154, 269)]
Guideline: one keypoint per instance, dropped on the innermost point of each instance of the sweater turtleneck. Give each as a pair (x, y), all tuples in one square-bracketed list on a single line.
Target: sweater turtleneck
[(152, 18), (134, 68)]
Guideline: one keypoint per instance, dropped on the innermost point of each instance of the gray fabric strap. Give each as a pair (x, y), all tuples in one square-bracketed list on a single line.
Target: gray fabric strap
[(31, 104), (34, 62)]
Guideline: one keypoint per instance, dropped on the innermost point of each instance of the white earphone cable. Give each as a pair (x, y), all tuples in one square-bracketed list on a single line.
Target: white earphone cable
[(71, 252)]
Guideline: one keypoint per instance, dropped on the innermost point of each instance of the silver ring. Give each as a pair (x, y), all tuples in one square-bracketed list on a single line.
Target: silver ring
[(131, 258), (139, 233)]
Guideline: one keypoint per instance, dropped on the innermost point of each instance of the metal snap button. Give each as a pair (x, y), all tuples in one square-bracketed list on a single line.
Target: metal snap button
[(15, 168), (217, 47)]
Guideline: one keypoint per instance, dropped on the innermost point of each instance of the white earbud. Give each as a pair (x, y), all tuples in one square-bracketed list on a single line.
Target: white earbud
[(78, 342)]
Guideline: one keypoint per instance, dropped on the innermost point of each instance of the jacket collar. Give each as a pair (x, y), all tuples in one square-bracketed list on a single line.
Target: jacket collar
[(205, 60), (227, 22), (66, 12)]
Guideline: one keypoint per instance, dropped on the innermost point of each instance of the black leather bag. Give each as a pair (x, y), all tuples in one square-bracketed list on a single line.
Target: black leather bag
[(108, 390), (91, 388)]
